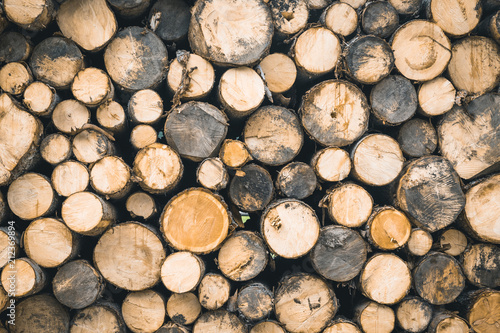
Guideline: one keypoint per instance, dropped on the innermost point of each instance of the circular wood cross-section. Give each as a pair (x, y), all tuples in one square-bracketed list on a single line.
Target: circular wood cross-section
[(379, 18), (145, 107), (438, 278), (374, 317), (213, 291), (453, 242), (342, 326), (89, 146), (290, 228), (55, 148), (388, 228), (70, 177), (279, 72), (40, 313), (33, 15), (251, 188), (77, 284), (110, 177), (234, 153), (140, 204), (385, 279), (182, 272), (267, 327), (289, 17), (183, 308), (369, 59), (88, 214), (212, 174), (15, 78), (481, 265), (335, 121), (419, 243), (31, 196), (436, 97), (243, 256), (429, 192), (304, 303), (417, 137), (196, 130), (70, 115), (130, 256), (455, 17), (480, 216), (40, 98), (350, 205), (241, 91), (195, 220), (339, 254), (56, 61), (331, 164), (23, 277), (296, 180), (377, 159), (200, 73), (49, 242), (421, 50), (273, 135), (231, 33), (255, 301), (142, 136), (484, 312), (218, 321), (414, 314), (98, 318), (475, 64), (317, 51), (136, 59), (447, 322), (341, 18), (92, 86), (158, 167), (111, 116), (144, 311)]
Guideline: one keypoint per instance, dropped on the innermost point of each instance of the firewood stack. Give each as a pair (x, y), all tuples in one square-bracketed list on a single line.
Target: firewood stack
[(249, 166)]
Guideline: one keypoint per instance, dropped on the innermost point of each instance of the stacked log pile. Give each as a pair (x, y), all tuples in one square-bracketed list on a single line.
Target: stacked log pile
[(249, 166)]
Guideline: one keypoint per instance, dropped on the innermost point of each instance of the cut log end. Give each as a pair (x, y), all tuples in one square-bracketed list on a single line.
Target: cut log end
[(182, 272), (144, 311), (350, 205), (279, 72)]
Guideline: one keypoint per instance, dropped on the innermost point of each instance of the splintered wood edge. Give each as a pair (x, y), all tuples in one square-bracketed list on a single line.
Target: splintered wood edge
[(48, 242), (70, 177), (317, 51), (182, 271), (279, 72), (143, 311), (386, 279), (350, 205), (201, 77), (193, 244), (112, 253), (377, 159), (421, 50), (290, 234)]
